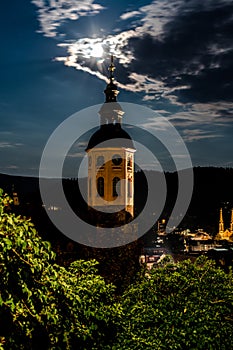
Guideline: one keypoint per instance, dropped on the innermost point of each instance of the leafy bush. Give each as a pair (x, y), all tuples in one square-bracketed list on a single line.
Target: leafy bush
[(43, 305), (179, 306)]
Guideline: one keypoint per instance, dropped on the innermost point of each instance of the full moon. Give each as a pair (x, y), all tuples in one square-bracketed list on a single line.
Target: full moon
[(97, 50)]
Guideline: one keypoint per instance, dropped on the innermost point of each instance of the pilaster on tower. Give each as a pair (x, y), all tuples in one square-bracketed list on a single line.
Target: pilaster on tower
[(221, 222)]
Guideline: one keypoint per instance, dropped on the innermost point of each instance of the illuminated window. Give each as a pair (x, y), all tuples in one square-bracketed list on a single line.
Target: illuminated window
[(116, 189), (100, 186)]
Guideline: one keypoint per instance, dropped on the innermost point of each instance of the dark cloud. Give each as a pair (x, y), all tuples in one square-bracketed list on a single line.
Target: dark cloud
[(195, 49), (180, 120)]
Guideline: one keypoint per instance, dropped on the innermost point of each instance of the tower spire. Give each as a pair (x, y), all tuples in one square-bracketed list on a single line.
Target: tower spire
[(111, 91), (111, 69), (231, 223), (221, 222)]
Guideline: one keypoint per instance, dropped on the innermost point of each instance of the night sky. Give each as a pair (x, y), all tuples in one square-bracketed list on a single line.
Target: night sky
[(175, 57)]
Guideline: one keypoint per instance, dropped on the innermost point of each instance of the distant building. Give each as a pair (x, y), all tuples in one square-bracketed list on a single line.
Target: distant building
[(200, 234), (197, 246), (222, 233), (199, 241), (15, 197), (222, 256), (161, 227), (153, 256)]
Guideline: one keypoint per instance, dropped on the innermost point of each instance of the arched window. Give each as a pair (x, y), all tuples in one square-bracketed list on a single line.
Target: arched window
[(116, 189), (100, 186)]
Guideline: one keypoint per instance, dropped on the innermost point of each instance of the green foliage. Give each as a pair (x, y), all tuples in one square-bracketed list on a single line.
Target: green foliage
[(179, 306), (44, 305)]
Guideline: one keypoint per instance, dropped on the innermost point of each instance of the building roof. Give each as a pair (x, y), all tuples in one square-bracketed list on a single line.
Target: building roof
[(109, 132)]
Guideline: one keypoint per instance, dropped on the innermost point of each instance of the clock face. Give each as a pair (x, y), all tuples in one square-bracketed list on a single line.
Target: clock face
[(116, 159)]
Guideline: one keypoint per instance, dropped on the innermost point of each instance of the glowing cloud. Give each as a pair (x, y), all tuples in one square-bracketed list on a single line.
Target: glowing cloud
[(53, 13)]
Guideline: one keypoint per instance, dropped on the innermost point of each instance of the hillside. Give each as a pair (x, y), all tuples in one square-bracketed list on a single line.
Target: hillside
[(213, 188)]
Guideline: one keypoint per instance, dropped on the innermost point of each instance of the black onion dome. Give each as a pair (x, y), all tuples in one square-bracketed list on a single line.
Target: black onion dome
[(110, 132)]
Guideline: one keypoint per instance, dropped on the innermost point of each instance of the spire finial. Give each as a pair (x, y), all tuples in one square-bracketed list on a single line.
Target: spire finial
[(221, 222), (221, 217), (111, 68), (231, 223), (111, 91)]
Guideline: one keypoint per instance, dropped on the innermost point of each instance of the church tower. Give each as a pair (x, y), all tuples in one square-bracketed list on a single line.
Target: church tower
[(111, 160), (15, 196), (231, 223), (228, 233), (221, 223)]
